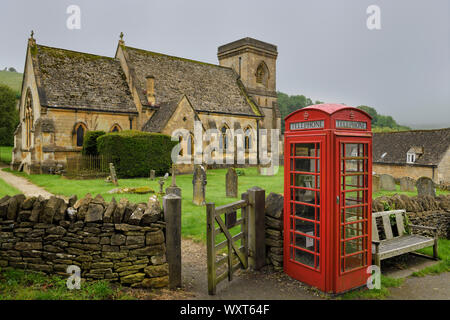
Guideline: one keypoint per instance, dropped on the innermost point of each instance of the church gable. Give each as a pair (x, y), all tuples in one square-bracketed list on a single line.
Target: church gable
[(74, 80), (210, 88)]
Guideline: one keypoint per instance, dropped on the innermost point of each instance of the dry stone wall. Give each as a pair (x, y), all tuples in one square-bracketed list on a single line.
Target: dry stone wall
[(274, 230), (117, 241)]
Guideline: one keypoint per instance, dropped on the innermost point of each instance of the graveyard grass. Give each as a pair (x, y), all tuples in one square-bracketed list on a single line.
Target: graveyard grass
[(6, 154), (193, 217), (6, 189)]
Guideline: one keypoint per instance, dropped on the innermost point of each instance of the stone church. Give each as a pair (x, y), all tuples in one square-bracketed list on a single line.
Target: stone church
[(67, 93)]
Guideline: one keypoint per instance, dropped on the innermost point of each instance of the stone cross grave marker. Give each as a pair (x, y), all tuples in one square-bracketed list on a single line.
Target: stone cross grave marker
[(161, 182), (407, 184), (426, 187), (199, 185), (174, 189), (112, 172), (387, 182), (231, 183), (152, 175)]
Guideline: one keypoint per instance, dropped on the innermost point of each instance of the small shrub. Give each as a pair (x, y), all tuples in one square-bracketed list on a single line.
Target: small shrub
[(90, 142), (135, 153)]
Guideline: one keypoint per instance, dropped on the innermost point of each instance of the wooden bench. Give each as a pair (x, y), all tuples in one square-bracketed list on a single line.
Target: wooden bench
[(402, 242)]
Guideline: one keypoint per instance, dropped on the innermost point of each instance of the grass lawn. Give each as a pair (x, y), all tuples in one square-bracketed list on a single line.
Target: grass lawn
[(28, 285), (12, 80), (408, 193), (193, 217), (6, 154), (6, 189)]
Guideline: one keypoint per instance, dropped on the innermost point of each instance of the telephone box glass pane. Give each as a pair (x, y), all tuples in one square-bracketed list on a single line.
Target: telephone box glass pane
[(354, 193), (305, 202)]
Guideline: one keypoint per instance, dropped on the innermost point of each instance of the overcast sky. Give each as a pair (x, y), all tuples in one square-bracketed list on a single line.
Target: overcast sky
[(326, 51)]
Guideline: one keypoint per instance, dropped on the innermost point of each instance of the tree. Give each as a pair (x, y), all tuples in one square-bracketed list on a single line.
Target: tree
[(12, 69), (9, 115)]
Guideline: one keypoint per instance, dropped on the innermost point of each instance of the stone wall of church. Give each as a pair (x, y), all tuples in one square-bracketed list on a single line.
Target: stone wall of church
[(443, 174)]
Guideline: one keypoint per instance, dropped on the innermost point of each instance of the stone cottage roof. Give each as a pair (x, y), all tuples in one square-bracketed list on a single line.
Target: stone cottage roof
[(69, 79), (208, 87), (395, 146)]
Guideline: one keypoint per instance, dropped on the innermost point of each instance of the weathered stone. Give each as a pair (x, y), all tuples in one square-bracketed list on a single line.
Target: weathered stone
[(133, 268), (274, 205), (72, 200), (120, 210), (4, 204), (387, 182), (52, 248), (274, 223), (50, 209), (152, 238), (274, 234), (101, 265), (158, 259), (153, 211), (133, 278), (425, 187), (199, 185), (157, 270), (407, 184), (83, 202), (94, 213), (57, 230), (231, 183), (274, 242), (149, 250), (13, 207), (115, 255), (38, 208), (159, 282), (92, 240), (127, 227), (118, 239), (28, 246), (24, 216), (108, 215), (40, 267), (137, 214), (135, 240), (61, 211), (28, 203)]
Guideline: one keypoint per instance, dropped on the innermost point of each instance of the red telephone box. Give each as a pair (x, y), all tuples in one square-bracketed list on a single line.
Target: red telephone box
[(328, 196)]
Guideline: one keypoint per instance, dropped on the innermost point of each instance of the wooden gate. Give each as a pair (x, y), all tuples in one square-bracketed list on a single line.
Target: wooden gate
[(237, 256), (245, 247)]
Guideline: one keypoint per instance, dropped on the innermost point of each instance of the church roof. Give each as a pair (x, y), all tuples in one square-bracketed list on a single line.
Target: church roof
[(161, 116), (75, 80), (395, 145), (209, 87)]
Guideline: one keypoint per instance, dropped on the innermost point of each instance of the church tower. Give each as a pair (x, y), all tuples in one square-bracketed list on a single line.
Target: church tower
[(255, 62)]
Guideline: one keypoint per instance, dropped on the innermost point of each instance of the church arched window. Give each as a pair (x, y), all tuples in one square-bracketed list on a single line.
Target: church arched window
[(116, 128), (262, 74), (80, 131), (28, 118), (248, 139), (223, 142), (190, 145)]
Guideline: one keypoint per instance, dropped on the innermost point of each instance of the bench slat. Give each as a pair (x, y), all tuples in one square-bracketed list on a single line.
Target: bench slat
[(400, 225), (387, 227)]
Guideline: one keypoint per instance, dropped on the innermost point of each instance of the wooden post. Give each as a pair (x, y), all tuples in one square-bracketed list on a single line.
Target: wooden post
[(256, 228), (172, 217), (210, 239), (244, 228)]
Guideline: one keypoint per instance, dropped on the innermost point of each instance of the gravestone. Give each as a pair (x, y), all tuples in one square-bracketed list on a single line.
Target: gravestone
[(152, 175), (174, 189), (112, 172), (161, 185), (387, 182), (199, 185), (407, 184), (231, 183), (425, 187), (375, 183)]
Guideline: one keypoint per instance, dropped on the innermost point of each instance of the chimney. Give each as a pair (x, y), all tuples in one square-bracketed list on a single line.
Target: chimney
[(151, 90)]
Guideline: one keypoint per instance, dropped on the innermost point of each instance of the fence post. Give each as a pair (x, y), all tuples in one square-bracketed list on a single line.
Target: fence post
[(244, 228), (172, 217), (211, 246), (256, 228)]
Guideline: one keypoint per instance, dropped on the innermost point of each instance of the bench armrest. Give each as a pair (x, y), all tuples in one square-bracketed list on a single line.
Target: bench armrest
[(414, 226), (377, 245)]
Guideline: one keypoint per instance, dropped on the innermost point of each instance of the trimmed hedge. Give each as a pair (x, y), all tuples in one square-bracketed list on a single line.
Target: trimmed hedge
[(135, 153), (90, 142)]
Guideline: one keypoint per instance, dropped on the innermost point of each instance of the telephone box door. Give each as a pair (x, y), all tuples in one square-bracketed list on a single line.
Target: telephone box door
[(353, 208), (304, 210)]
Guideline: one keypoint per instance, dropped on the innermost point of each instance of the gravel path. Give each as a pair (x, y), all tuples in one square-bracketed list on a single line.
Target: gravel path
[(26, 187)]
